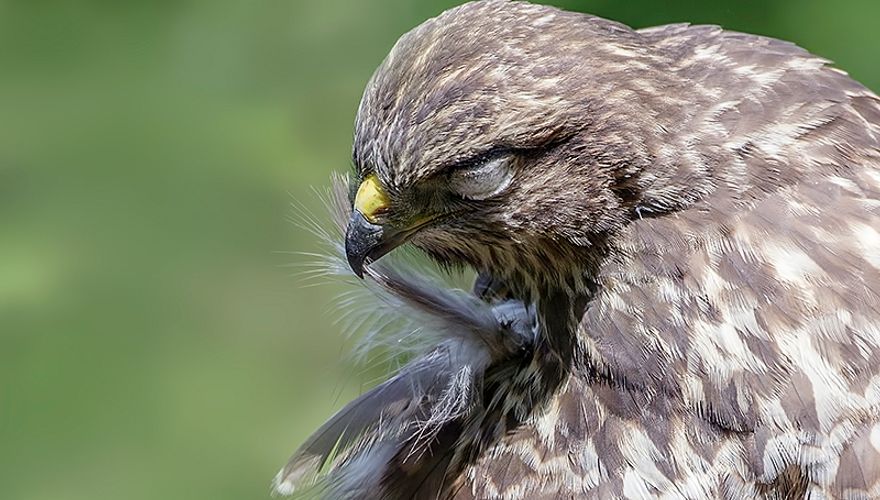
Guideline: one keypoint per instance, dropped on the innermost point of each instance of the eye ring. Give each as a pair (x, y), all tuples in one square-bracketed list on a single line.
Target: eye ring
[(483, 180)]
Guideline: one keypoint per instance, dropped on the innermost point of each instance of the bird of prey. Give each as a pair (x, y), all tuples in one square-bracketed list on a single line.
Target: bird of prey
[(676, 233)]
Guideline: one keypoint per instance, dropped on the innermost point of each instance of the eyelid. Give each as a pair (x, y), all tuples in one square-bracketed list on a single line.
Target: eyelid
[(484, 179)]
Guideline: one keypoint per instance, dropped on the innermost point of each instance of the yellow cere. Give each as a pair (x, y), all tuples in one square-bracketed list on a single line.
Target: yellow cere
[(371, 199)]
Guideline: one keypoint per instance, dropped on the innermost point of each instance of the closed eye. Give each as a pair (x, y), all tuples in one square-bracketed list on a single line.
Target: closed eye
[(483, 180)]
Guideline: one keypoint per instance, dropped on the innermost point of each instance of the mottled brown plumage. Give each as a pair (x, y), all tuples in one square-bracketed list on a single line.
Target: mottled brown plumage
[(691, 219)]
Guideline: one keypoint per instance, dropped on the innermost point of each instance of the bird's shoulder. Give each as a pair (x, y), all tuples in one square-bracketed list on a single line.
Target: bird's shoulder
[(761, 318), (743, 84)]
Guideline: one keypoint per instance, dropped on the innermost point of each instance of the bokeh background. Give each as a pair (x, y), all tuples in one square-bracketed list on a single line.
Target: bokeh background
[(153, 342)]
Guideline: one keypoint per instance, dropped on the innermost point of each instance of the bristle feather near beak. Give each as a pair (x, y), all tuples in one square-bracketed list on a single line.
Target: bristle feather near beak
[(459, 337)]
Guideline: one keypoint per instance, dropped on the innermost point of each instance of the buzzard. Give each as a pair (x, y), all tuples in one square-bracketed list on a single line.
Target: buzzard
[(676, 232)]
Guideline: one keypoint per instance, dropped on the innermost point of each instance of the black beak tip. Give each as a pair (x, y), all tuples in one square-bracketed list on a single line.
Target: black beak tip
[(362, 240), (357, 266)]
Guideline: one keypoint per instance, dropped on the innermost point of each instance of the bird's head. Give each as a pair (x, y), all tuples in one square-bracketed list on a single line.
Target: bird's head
[(502, 135)]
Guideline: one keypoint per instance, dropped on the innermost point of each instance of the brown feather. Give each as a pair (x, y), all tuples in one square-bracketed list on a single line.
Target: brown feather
[(693, 217)]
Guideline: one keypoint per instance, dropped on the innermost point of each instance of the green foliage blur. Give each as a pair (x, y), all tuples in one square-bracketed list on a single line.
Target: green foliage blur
[(153, 343)]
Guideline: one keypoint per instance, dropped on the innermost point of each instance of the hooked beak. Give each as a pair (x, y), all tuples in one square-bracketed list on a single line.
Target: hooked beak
[(366, 239)]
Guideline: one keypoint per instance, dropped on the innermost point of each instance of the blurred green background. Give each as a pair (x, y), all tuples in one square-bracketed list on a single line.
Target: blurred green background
[(152, 343)]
